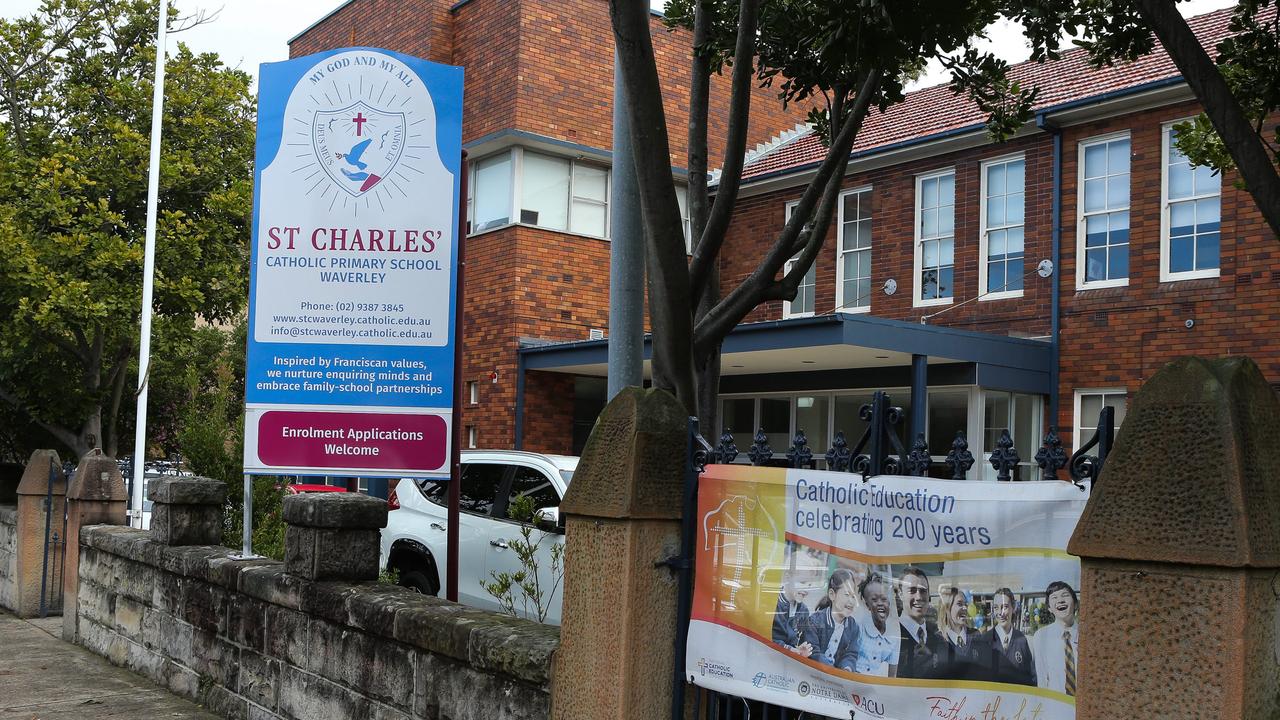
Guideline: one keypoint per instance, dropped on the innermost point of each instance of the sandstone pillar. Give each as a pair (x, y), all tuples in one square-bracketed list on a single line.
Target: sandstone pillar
[(622, 512), (187, 510), (40, 510), (96, 496), (333, 536), (1180, 552)]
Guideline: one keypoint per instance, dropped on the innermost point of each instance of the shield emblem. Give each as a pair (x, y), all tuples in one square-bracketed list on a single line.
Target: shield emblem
[(358, 146)]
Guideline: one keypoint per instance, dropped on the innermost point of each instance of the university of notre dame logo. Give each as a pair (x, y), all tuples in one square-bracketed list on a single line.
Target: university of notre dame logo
[(358, 145)]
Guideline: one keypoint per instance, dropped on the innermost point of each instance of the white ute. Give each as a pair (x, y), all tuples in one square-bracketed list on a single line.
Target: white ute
[(414, 542)]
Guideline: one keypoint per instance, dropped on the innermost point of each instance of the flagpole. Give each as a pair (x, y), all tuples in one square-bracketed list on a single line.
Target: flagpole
[(148, 273)]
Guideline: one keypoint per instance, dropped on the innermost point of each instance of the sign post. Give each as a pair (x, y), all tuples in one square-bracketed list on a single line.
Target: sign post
[(354, 271)]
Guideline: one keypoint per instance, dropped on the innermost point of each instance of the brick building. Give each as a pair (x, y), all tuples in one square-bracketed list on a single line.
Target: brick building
[(537, 125), (927, 286)]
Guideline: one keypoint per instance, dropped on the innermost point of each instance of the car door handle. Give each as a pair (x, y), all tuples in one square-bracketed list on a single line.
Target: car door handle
[(437, 526), (499, 544)]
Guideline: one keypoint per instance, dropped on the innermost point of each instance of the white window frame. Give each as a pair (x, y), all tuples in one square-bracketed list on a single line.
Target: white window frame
[(1081, 215), (1166, 131), (786, 268), (916, 287), (840, 252), (516, 157), (472, 437), (682, 193), (983, 260), (1079, 440), (473, 392)]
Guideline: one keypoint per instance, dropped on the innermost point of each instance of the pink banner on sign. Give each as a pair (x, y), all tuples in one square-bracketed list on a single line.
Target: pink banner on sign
[(386, 441)]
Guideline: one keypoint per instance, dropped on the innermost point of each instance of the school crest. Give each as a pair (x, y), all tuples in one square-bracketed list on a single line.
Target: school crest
[(358, 146)]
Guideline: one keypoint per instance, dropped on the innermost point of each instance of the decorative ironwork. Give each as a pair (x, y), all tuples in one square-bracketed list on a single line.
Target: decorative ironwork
[(1084, 466), (880, 439), (1051, 457), (799, 454), (918, 460), (959, 459), (760, 452), (1004, 458), (839, 457), (726, 451)]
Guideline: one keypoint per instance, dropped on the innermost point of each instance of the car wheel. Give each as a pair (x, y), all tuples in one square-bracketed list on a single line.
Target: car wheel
[(418, 581)]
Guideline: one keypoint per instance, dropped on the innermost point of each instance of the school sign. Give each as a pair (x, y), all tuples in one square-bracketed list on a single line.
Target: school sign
[(353, 275)]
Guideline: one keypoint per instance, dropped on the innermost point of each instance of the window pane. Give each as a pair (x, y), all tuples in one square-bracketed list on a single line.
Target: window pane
[(545, 191), (1090, 406), (847, 420), (948, 413), (480, 483), (738, 415), (1179, 180), (588, 218), (1095, 229), (1180, 254), (947, 190), (929, 224), (1095, 264), (1207, 251), (1014, 209), (995, 211), (492, 203), (929, 191), (1013, 178), (1118, 191), (1118, 156), (1119, 267), (1205, 181), (1013, 274), (1094, 195), (995, 417), (1095, 161), (1026, 425), (1117, 401), (775, 418), (946, 221), (533, 484), (811, 416), (592, 183), (995, 180), (1182, 218), (1015, 244), (996, 243)]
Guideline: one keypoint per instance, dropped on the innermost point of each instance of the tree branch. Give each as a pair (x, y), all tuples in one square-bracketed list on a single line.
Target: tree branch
[(1220, 105), (707, 249), (718, 323), (61, 434)]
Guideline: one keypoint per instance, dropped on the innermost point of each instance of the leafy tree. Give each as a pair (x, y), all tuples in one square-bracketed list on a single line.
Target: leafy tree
[(844, 57), (75, 106)]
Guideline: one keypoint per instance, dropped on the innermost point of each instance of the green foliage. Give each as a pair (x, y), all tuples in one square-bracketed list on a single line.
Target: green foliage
[(75, 110), (521, 593)]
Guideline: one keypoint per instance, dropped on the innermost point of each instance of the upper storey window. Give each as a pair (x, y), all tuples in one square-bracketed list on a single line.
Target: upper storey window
[(803, 305), (1191, 215), (1003, 220), (935, 238), (1103, 224), (551, 192), (853, 271)]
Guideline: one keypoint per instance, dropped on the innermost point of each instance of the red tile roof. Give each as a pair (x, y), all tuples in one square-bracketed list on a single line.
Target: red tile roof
[(1068, 79)]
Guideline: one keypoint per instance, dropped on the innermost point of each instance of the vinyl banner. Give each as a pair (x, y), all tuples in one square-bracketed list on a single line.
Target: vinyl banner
[(902, 598), (357, 180)]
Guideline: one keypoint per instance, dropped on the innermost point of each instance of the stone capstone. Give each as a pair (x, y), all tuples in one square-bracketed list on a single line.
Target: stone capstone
[(97, 478), (331, 554), (188, 491), (35, 477), (1194, 476), (634, 463), (335, 510)]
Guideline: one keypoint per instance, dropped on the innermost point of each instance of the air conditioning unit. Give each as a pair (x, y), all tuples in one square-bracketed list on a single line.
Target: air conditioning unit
[(595, 334)]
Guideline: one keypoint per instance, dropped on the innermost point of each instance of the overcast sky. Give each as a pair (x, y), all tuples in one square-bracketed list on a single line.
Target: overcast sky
[(248, 32)]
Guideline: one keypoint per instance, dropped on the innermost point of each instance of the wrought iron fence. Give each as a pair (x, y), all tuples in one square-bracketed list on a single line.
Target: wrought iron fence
[(879, 451), (55, 547)]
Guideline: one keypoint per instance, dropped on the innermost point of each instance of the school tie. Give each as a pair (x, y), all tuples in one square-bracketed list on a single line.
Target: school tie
[(920, 636), (1071, 663)]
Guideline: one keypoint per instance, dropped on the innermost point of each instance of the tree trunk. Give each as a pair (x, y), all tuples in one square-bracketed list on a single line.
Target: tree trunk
[(1200, 71)]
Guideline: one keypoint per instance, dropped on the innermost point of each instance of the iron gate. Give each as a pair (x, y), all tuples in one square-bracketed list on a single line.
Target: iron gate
[(55, 546), (878, 452)]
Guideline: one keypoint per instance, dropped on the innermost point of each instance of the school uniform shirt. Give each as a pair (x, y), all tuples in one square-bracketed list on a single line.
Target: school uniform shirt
[(788, 622), (917, 654), (876, 650), (1050, 649), (1010, 659), (960, 655), (834, 644)]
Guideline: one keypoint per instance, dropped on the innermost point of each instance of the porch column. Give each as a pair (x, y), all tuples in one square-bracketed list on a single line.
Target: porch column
[(919, 395)]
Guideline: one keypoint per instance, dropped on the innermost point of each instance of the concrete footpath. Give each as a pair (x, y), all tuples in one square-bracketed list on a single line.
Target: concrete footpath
[(44, 678)]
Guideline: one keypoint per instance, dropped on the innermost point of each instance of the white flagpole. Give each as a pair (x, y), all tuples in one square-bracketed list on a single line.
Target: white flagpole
[(148, 272)]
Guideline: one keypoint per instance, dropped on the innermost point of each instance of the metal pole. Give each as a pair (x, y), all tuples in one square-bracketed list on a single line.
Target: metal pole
[(48, 524), (626, 254), (148, 271), (919, 396), (456, 427), (247, 544)]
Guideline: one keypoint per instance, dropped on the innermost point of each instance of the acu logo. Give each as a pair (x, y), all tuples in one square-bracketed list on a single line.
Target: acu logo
[(358, 146)]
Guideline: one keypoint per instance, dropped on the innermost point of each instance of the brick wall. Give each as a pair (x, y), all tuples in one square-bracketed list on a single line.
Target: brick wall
[(758, 220), (1118, 337)]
